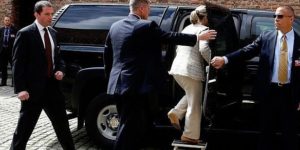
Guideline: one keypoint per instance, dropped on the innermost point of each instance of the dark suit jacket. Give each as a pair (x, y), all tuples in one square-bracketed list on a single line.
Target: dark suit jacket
[(135, 47), (264, 47), (29, 61), (12, 35)]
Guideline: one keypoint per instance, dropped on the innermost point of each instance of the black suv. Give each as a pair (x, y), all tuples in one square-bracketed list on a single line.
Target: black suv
[(230, 111)]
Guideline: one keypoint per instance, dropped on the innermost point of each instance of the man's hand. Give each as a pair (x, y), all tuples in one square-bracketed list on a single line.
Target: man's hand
[(217, 62), (207, 35), (23, 95), (59, 75)]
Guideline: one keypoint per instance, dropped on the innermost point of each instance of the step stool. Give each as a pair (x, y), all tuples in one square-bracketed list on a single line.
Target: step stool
[(178, 145)]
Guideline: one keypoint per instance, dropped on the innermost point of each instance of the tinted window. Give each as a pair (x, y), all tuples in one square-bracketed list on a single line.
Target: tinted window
[(260, 24), (91, 17), (156, 14), (89, 24)]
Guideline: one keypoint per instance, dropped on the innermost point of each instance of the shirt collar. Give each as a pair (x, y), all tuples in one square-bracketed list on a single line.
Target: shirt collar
[(288, 35), (40, 27), (135, 15)]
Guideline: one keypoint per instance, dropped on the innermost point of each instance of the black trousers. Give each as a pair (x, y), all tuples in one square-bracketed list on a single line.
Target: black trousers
[(278, 115), (136, 120), (53, 104), (5, 57)]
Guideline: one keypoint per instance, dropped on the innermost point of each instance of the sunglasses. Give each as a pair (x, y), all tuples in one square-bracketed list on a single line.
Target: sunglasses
[(280, 16)]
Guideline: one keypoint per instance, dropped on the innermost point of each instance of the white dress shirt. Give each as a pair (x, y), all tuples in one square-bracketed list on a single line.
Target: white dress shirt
[(42, 32), (290, 45)]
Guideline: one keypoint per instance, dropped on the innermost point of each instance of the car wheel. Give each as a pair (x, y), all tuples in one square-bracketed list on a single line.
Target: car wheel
[(102, 121)]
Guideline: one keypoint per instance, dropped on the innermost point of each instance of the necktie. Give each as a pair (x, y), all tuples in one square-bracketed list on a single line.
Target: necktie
[(48, 53), (283, 62)]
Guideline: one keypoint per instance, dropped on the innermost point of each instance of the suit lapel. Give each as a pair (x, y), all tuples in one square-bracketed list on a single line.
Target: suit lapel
[(273, 42), (296, 49), (37, 36)]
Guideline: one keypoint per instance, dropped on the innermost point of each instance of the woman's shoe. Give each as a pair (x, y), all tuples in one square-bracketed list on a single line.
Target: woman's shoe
[(189, 140), (174, 120)]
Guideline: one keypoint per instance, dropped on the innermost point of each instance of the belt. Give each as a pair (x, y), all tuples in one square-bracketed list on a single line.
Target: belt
[(280, 85)]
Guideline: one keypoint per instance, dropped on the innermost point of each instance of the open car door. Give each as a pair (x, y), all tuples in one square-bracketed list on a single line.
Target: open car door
[(223, 87)]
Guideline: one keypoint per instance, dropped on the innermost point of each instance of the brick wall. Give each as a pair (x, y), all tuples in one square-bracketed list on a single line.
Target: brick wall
[(255, 4), (5, 9), (6, 5)]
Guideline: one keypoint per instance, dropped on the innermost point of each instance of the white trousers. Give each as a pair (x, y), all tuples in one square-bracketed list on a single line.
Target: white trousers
[(190, 106)]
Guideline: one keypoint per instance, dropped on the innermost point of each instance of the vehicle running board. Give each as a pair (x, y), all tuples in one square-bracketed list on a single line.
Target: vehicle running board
[(178, 145)]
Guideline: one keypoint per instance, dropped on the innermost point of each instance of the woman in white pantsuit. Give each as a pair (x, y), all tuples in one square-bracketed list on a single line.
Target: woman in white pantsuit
[(189, 72)]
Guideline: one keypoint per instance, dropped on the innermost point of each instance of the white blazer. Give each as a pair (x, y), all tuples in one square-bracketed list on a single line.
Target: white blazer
[(189, 60)]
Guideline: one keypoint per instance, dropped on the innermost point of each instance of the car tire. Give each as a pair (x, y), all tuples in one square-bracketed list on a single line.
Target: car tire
[(102, 121)]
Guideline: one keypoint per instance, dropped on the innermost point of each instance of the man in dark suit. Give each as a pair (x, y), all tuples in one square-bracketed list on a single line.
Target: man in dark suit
[(37, 68), (134, 52), (278, 83), (7, 38)]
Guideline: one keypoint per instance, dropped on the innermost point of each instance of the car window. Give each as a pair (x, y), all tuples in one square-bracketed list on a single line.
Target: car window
[(99, 17), (156, 14), (260, 24), (89, 24), (237, 24), (91, 16)]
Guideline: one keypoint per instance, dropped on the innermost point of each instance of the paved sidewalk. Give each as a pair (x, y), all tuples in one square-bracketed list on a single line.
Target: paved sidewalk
[(43, 136)]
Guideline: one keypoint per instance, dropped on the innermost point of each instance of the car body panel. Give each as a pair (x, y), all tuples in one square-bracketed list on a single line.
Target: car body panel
[(229, 107)]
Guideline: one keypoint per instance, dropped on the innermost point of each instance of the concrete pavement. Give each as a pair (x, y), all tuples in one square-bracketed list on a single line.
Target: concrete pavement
[(43, 136)]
